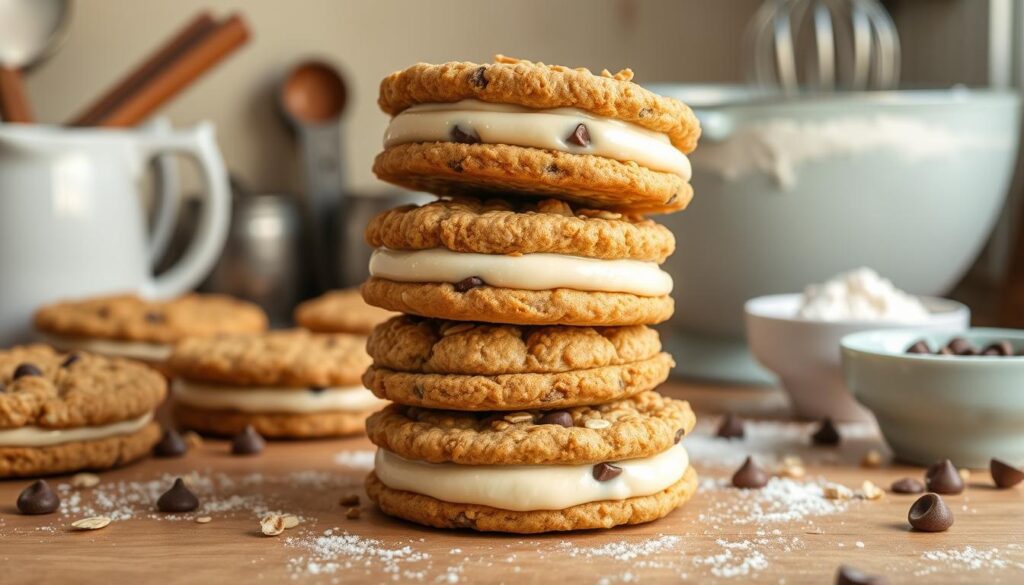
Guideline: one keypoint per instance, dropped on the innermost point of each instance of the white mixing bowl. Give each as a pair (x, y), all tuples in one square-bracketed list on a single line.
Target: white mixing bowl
[(792, 192)]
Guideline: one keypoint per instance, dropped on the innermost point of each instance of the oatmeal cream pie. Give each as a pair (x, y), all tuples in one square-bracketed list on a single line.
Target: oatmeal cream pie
[(526, 262), (286, 384), (132, 327), (340, 311), (516, 127), (67, 412), (533, 471), (478, 366)]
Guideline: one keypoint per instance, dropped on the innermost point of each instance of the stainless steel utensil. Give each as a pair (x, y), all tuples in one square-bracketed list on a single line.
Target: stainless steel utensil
[(30, 31), (312, 97), (353, 255), (263, 259), (823, 45)]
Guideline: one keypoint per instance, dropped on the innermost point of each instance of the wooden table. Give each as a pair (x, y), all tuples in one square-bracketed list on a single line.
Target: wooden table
[(717, 537)]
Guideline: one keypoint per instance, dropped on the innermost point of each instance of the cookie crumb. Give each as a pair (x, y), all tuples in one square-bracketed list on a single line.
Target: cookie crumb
[(872, 459), (353, 513), (870, 491), (85, 480), (835, 491), (349, 500)]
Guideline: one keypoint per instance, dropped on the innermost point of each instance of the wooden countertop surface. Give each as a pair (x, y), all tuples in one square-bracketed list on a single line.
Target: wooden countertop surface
[(788, 534)]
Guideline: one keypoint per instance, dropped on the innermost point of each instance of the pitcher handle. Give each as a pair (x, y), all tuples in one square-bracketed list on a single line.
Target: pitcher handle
[(215, 216), (167, 195)]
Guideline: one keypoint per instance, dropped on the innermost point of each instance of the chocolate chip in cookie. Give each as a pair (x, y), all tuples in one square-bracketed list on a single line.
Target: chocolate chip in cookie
[(556, 417), (606, 471), (467, 284), (464, 136), (580, 136), (26, 369)]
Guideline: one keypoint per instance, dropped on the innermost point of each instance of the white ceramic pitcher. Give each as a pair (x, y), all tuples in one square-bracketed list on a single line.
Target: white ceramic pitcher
[(72, 222)]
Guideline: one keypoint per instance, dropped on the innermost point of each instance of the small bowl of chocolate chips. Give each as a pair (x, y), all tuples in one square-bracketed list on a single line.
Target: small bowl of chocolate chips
[(936, 395)]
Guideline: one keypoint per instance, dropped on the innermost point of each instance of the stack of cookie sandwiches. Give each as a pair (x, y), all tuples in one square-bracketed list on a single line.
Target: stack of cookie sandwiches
[(128, 326), (67, 412), (523, 370), (284, 384)]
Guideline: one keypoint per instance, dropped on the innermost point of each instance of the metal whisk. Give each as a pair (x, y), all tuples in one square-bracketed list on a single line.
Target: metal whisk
[(823, 45)]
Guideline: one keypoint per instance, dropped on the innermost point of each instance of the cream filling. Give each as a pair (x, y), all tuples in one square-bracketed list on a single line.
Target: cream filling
[(41, 437), (546, 129), (526, 272), (136, 350), (254, 399), (531, 487)]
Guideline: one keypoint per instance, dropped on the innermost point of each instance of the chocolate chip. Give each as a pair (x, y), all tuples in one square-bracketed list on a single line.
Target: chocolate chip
[(247, 442), (177, 499), (827, 434), (960, 346), (552, 169), (556, 417), (730, 428), (1004, 474), (38, 498), (907, 485), (317, 389), (455, 165), (920, 346), (469, 283), (580, 136), (847, 575), (930, 514), (27, 369), (478, 77), (461, 136), (155, 317), (170, 445), (750, 475), (70, 360), (606, 471), (999, 348), (680, 434), (943, 478), (417, 391)]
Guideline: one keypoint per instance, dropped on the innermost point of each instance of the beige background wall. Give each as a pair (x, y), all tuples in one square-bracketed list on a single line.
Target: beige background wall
[(686, 40)]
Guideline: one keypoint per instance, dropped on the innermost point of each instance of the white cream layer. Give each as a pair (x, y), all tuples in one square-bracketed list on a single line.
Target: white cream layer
[(530, 487), (255, 399), (526, 272), (546, 129), (136, 350), (42, 437)]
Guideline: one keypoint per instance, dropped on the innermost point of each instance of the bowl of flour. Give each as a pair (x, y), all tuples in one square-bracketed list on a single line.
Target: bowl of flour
[(797, 336)]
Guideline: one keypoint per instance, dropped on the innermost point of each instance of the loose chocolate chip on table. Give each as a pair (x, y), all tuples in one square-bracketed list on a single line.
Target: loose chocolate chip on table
[(1000, 348), (27, 369), (960, 346), (827, 434), (461, 136), (1005, 475), (580, 136), (170, 445), (177, 499), (907, 485), (606, 471), (930, 514), (943, 478), (847, 575), (750, 475), (920, 346), (38, 498), (468, 283), (731, 427), (556, 417), (247, 442), (680, 434)]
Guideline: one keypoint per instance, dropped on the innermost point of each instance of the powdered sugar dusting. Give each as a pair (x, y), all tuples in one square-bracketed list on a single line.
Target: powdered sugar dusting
[(969, 558), (356, 460), (622, 550)]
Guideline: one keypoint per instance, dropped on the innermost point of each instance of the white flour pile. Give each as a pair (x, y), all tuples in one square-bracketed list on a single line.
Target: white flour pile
[(860, 295)]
